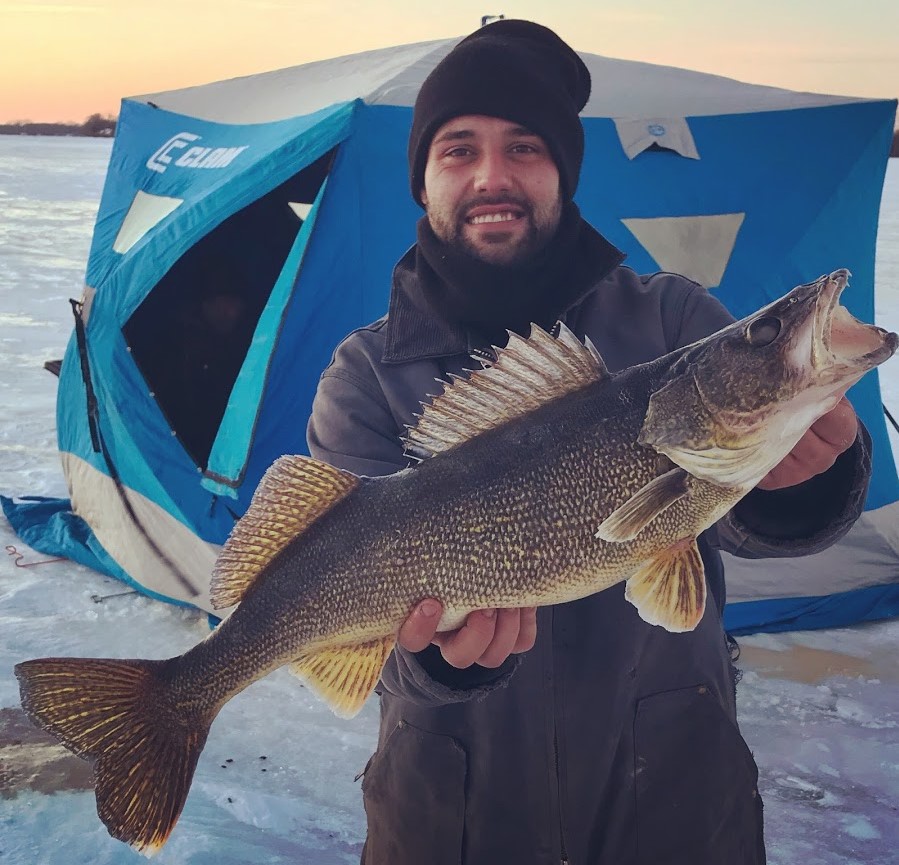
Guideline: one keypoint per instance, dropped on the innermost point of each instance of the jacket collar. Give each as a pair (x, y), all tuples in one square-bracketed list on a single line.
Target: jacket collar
[(413, 333)]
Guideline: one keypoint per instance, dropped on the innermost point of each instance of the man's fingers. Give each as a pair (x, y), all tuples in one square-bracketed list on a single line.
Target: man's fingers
[(487, 637), (418, 631), (463, 647), (838, 427), (817, 450), (810, 457), (505, 636), (527, 630)]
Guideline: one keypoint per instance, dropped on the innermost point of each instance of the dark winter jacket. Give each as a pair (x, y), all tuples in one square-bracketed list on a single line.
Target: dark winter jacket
[(612, 742)]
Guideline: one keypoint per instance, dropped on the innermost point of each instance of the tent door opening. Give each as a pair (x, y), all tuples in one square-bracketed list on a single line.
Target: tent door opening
[(190, 335)]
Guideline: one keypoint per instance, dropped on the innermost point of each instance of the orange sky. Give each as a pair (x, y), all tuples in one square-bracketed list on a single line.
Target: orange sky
[(65, 60)]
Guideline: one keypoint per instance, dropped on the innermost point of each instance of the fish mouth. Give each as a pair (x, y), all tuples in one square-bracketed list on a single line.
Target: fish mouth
[(839, 339)]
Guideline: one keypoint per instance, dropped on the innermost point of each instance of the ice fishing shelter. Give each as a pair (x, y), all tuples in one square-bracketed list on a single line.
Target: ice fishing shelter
[(247, 225)]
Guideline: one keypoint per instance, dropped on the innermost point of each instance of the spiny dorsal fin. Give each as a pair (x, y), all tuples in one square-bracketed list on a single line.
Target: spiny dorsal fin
[(627, 521), (292, 494), (344, 676), (527, 374), (669, 589)]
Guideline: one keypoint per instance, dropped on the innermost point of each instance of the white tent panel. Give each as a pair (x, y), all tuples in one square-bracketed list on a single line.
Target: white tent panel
[(871, 548), (301, 210), (300, 90), (699, 247), (392, 76), (672, 133), (96, 499), (146, 211)]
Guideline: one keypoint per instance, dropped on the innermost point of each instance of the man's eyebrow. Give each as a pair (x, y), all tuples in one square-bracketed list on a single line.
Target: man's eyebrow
[(454, 135), (463, 134), (522, 132)]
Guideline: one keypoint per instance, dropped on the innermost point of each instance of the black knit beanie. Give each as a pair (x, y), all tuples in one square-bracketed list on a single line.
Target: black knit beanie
[(515, 70)]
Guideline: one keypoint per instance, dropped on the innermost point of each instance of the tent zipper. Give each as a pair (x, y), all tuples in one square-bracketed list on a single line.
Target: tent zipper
[(99, 445)]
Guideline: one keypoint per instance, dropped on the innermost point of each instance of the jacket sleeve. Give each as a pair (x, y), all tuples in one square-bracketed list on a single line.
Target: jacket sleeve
[(798, 520), (352, 427)]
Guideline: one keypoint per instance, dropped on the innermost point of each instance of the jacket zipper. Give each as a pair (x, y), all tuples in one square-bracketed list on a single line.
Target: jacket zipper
[(563, 852), (489, 356)]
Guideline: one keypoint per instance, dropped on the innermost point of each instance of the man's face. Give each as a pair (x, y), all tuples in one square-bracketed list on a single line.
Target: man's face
[(491, 188)]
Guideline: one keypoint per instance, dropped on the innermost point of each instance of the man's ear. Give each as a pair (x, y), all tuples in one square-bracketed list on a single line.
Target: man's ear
[(424, 196)]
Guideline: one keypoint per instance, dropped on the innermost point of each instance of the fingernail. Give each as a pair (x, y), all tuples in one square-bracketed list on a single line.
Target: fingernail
[(428, 609), (488, 614)]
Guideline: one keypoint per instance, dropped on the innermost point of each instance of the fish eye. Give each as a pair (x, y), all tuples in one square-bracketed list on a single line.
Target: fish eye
[(763, 331)]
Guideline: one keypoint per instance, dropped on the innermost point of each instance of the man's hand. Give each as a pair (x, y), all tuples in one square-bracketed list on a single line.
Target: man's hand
[(487, 638), (817, 450)]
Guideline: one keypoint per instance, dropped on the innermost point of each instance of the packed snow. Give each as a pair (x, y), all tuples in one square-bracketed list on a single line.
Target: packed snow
[(275, 783)]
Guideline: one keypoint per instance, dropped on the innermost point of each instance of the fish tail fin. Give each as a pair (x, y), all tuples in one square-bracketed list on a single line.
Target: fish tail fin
[(120, 715)]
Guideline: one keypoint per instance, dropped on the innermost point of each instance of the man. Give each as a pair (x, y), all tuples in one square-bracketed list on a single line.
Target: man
[(576, 733)]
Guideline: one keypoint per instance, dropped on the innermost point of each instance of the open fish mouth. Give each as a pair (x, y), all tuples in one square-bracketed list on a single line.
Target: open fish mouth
[(839, 339)]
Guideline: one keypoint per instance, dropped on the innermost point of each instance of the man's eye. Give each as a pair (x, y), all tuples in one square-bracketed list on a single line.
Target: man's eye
[(524, 148), (457, 152)]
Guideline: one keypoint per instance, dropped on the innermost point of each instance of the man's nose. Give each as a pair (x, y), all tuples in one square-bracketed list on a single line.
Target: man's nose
[(492, 172)]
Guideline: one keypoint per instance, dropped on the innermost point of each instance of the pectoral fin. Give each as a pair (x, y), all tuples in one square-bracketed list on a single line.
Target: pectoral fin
[(669, 589), (626, 522), (344, 676)]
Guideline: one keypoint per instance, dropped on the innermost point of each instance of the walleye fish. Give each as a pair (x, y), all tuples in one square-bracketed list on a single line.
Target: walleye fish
[(542, 479)]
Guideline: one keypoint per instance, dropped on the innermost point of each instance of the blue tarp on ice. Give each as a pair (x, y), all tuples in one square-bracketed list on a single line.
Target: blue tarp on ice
[(246, 226)]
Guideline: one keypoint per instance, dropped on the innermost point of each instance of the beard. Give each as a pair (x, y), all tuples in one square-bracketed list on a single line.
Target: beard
[(498, 247)]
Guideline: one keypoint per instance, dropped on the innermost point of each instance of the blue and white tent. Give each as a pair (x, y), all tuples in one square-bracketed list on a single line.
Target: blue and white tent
[(247, 225)]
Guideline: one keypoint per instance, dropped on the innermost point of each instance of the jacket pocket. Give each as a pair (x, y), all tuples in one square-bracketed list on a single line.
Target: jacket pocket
[(414, 796), (696, 784)]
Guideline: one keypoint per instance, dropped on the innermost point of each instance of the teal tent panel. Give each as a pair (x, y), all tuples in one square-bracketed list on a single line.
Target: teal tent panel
[(49, 526), (344, 280), (228, 459), (274, 152)]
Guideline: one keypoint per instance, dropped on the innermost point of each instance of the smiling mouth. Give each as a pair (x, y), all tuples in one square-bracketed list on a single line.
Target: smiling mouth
[(485, 218)]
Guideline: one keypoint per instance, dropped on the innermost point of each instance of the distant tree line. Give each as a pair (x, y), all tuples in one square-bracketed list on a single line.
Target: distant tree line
[(103, 126), (96, 126)]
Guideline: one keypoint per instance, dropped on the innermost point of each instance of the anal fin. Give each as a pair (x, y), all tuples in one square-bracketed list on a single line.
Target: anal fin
[(669, 589), (344, 676), (627, 521)]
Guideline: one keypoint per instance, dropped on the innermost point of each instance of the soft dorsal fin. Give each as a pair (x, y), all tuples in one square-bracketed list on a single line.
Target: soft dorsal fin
[(292, 494), (527, 374)]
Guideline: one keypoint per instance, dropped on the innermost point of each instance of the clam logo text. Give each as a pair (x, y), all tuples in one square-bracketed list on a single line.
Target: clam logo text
[(194, 156)]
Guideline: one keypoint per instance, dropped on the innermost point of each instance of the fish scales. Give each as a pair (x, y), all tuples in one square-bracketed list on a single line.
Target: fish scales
[(543, 479), (490, 514)]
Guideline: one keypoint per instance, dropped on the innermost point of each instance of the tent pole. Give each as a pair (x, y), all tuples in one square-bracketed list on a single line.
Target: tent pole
[(892, 420)]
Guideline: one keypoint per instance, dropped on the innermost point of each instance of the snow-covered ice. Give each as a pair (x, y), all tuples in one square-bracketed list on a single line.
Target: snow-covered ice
[(820, 710)]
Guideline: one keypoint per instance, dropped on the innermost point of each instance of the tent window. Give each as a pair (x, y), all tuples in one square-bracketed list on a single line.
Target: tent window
[(190, 336)]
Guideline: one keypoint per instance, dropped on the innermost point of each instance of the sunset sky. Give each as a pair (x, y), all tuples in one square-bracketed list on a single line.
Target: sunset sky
[(61, 61)]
